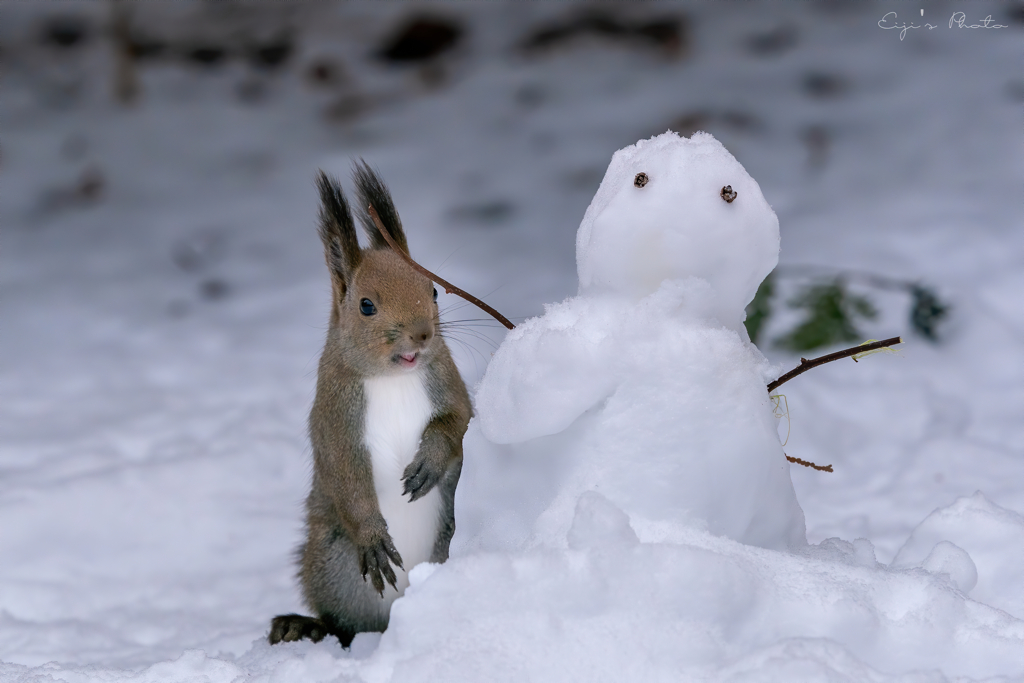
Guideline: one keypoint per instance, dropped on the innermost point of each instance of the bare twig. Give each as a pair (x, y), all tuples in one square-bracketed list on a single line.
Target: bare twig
[(807, 463), (449, 288), (806, 365)]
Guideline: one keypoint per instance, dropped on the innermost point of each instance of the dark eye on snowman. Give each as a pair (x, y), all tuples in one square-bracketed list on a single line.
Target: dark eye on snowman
[(366, 307), (435, 294), (640, 179), (728, 194)]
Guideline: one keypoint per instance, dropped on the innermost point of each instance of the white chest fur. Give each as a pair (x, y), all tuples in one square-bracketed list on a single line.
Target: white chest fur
[(397, 410)]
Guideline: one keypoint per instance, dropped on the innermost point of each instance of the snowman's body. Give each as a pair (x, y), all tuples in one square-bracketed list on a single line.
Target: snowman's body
[(645, 387)]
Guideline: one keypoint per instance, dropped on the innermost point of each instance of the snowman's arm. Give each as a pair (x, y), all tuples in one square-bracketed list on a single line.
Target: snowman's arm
[(539, 382)]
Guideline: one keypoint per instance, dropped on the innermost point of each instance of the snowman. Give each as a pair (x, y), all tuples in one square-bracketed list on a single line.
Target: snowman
[(644, 390)]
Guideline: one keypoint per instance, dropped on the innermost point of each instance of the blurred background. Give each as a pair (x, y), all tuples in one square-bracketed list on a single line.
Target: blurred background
[(163, 298)]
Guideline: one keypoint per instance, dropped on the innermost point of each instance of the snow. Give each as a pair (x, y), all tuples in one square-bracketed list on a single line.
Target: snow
[(678, 225), (665, 407), (153, 455), (978, 544), (660, 410)]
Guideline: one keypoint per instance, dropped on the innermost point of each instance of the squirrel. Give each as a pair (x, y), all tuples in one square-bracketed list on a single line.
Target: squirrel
[(388, 420)]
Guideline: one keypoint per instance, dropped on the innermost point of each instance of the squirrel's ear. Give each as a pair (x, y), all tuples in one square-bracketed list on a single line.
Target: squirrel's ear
[(337, 230), (373, 192)]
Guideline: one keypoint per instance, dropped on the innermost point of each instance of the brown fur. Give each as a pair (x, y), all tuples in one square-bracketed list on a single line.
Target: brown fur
[(347, 536)]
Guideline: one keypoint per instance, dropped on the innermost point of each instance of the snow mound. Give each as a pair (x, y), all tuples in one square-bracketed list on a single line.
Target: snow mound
[(612, 609), (974, 541)]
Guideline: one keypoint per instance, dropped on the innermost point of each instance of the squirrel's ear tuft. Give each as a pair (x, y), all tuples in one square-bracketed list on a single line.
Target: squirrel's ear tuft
[(337, 230), (373, 192)]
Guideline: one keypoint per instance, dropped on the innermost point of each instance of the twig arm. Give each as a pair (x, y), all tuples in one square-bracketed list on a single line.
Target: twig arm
[(449, 288), (806, 365), (807, 463)]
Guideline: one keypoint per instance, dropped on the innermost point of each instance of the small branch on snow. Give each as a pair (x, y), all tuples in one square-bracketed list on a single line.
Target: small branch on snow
[(449, 288), (807, 463), (806, 365)]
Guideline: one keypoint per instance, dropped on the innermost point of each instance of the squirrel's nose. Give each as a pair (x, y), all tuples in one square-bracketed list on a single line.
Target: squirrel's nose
[(422, 333)]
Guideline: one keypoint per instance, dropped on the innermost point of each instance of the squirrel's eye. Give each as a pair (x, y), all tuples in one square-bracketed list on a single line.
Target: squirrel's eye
[(435, 293), (366, 307)]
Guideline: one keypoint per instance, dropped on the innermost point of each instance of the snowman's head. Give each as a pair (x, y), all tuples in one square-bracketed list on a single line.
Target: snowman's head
[(663, 213)]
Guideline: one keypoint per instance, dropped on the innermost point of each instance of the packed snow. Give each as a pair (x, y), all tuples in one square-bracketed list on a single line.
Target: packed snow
[(646, 383), (625, 510)]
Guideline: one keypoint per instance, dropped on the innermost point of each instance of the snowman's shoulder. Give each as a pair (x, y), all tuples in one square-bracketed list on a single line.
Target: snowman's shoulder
[(548, 372)]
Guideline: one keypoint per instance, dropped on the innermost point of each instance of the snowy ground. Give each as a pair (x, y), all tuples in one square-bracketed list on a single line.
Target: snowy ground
[(160, 342)]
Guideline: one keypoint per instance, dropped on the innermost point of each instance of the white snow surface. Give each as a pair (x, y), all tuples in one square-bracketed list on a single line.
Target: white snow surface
[(160, 347)]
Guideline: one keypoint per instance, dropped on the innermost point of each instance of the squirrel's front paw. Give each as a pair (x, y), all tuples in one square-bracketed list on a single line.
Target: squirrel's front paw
[(375, 559), (420, 476)]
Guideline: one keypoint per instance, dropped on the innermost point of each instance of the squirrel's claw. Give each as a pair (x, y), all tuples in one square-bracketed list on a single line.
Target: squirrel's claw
[(392, 553), (418, 479), (376, 562)]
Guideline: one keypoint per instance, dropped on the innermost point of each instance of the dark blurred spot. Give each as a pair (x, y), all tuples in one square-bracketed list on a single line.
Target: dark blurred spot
[(740, 120), (486, 213), (272, 54), (774, 42), (1015, 91), (91, 184), (734, 120), (144, 48), (324, 72), (688, 124), (199, 251), (824, 86), (599, 24), (421, 39), (87, 190), (206, 55), (65, 31), (818, 141), (347, 108), (927, 312), (668, 34), (1016, 13), (214, 289)]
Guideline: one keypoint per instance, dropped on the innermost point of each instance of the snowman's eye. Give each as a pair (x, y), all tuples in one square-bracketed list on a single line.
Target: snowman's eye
[(640, 180), (728, 194)]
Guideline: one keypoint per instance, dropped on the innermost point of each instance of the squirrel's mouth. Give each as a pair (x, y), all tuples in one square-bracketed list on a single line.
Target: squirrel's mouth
[(408, 360)]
